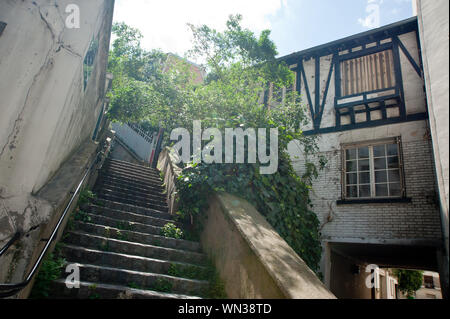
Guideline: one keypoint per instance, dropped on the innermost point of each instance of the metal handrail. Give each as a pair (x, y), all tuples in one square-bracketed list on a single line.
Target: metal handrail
[(10, 243), (12, 289)]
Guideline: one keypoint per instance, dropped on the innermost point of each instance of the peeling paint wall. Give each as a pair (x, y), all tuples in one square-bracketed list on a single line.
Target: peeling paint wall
[(46, 113)]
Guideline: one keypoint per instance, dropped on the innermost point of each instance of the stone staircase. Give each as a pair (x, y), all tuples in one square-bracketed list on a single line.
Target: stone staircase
[(116, 242)]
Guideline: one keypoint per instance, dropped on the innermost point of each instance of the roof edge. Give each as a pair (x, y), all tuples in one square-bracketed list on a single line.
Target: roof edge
[(353, 38)]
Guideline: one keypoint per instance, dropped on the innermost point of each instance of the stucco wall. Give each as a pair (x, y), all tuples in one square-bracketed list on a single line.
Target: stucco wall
[(252, 259), (348, 284), (433, 17), (46, 112)]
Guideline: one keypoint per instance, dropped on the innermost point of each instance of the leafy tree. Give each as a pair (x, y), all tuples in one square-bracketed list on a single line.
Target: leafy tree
[(240, 68), (409, 281), (140, 83)]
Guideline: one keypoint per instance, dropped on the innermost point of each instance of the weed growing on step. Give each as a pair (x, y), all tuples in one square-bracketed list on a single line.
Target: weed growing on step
[(70, 223), (104, 246), (121, 236), (170, 230), (134, 285), (162, 285), (82, 216), (107, 232), (86, 197), (216, 287), (50, 270), (100, 203), (92, 294), (125, 226), (190, 272)]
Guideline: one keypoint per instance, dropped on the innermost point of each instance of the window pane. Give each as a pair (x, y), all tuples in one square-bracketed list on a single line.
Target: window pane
[(363, 165), (351, 166), (392, 149), (379, 151), (380, 177), (364, 178), (393, 162), (352, 178), (350, 154), (381, 190), (394, 175), (394, 189), (380, 163), (364, 191), (352, 191), (363, 152)]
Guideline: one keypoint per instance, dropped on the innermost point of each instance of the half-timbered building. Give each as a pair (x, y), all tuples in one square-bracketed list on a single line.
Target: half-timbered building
[(377, 198)]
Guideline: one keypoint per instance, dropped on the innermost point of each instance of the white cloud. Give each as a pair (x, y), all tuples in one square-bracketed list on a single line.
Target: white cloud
[(163, 23), (372, 20)]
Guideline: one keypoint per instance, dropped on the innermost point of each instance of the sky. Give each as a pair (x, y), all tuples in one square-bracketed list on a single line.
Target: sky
[(295, 24)]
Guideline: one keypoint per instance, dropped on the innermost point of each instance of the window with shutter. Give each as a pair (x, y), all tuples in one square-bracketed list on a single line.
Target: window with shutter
[(367, 73)]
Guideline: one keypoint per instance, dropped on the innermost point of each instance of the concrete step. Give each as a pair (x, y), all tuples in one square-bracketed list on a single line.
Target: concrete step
[(85, 255), (141, 280), (133, 208), (121, 224), (123, 178), (127, 216), (109, 166), (126, 247), (131, 201), (132, 166), (91, 290), (132, 175), (149, 194), (132, 196), (137, 237), (119, 182)]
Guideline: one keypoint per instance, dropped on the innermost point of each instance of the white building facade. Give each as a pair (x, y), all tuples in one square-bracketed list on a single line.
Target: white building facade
[(377, 198)]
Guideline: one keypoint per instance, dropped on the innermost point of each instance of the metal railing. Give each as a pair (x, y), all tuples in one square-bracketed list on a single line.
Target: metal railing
[(148, 136), (135, 138), (8, 290)]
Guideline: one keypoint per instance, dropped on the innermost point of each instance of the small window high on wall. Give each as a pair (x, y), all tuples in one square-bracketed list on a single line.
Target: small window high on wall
[(89, 59), (367, 73)]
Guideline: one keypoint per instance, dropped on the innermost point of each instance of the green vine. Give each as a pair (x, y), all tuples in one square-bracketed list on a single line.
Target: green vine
[(49, 271), (282, 198)]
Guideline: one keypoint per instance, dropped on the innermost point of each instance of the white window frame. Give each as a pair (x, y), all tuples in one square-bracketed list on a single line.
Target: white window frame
[(370, 145)]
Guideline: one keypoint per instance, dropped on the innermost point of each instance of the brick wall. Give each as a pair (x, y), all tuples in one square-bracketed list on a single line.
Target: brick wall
[(418, 219)]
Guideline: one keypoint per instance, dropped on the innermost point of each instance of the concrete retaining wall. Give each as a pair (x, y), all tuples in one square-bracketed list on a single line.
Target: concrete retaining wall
[(250, 256)]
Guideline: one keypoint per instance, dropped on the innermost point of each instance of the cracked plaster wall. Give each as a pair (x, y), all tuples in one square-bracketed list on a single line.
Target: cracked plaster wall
[(45, 112)]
